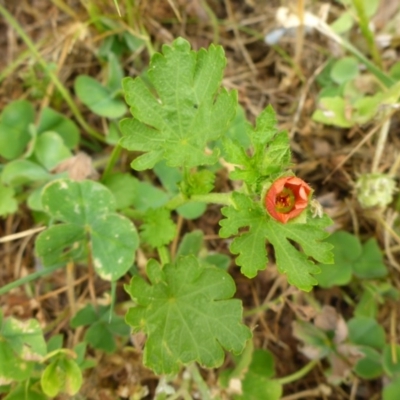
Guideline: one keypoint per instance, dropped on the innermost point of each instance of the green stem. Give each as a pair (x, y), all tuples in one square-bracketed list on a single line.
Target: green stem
[(298, 374), (163, 254), (201, 385), (132, 213), (57, 83), (368, 35), (29, 278), (244, 362), (224, 199), (261, 308), (385, 79), (112, 160)]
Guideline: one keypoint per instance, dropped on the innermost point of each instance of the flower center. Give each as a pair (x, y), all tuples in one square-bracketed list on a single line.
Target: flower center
[(285, 200)]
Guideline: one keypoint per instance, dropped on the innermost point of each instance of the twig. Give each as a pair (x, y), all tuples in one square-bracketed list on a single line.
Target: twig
[(243, 49), (23, 234), (321, 389), (358, 146), (380, 145)]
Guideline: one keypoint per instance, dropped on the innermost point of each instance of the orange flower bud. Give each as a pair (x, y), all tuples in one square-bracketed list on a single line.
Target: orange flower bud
[(287, 198)]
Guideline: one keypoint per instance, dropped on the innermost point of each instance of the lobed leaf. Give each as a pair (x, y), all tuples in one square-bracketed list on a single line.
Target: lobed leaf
[(187, 314), (251, 244), (157, 229), (270, 153), (186, 110)]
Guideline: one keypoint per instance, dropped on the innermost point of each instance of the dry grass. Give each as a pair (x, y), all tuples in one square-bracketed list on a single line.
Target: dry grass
[(64, 33)]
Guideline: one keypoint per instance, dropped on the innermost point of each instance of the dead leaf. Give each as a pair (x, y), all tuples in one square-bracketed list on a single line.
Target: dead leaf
[(79, 167)]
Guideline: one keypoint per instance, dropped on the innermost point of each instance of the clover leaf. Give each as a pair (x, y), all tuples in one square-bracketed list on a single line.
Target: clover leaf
[(21, 343), (187, 314), (251, 245), (186, 110), (87, 210), (15, 120)]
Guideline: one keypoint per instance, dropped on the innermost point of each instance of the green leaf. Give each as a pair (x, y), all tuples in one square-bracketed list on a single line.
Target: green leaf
[(129, 191), (61, 375), (102, 328), (25, 338), (115, 72), (51, 380), (169, 177), (392, 390), (157, 229), (364, 261), (346, 250), (8, 203), (98, 98), (345, 69), (370, 264), (14, 128), (55, 343), (367, 305), (21, 343), (271, 151), (51, 120), (344, 23), (100, 337), (366, 332), (61, 243), (114, 241), (188, 314), (12, 367), (199, 182), (251, 245), (332, 111), (218, 260), (73, 377), (191, 244), (77, 202), (187, 110), (20, 172), (87, 208), (370, 366), (87, 316), (26, 392), (50, 150), (192, 210), (253, 369)]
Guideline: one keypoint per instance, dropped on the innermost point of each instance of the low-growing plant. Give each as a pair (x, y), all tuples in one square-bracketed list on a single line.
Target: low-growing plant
[(183, 126)]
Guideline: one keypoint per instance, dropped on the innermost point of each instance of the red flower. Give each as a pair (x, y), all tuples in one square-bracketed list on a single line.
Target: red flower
[(287, 198)]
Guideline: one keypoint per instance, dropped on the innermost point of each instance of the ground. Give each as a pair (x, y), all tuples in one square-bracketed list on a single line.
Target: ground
[(69, 33)]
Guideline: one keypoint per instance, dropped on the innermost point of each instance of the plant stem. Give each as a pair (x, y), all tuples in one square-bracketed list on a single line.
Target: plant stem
[(224, 199), (201, 385), (366, 31), (57, 83), (326, 30), (29, 278), (244, 362), (298, 374), (132, 213), (163, 254), (112, 160)]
